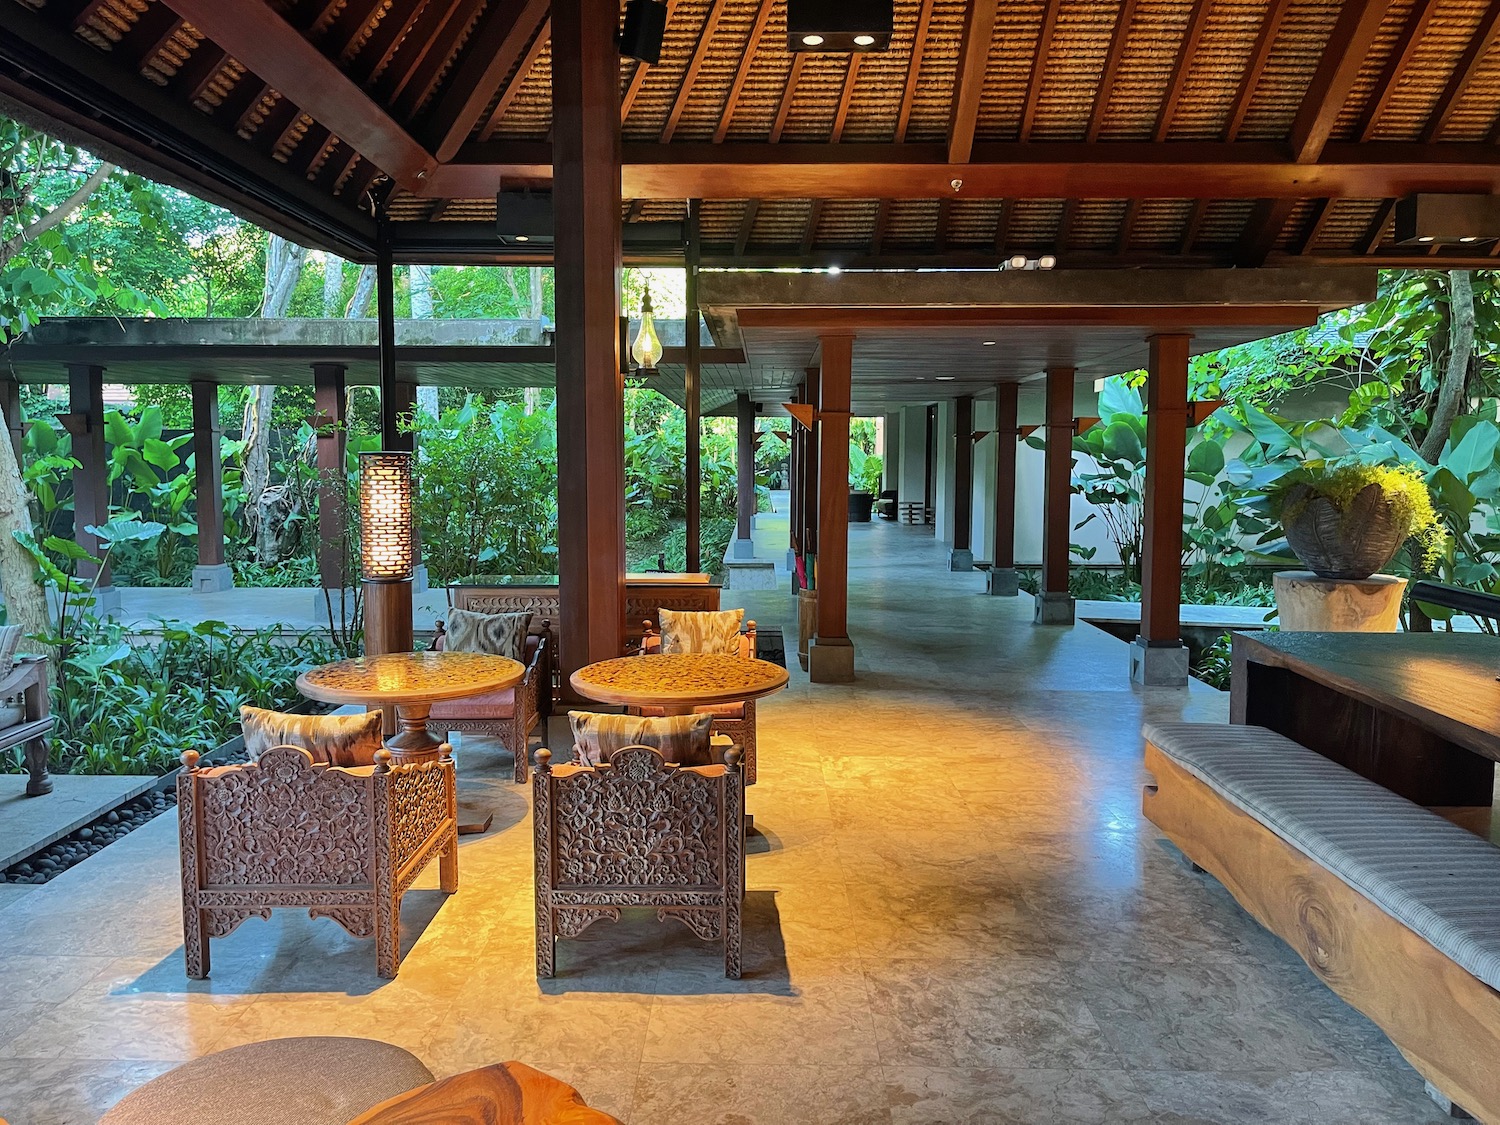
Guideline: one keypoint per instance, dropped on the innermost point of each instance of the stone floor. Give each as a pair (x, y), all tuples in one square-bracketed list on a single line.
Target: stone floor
[(962, 917)]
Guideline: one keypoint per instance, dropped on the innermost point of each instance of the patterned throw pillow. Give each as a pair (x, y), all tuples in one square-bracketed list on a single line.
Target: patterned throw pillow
[(499, 634), (691, 631), (338, 740), (683, 739)]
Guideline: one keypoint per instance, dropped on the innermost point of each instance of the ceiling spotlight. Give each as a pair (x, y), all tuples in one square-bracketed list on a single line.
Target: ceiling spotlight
[(1016, 262), (834, 271), (945, 378), (1432, 217), (1469, 238), (1424, 238), (1046, 262), (956, 185), (864, 40), (989, 343), (812, 40), (840, 26), (523, 238)]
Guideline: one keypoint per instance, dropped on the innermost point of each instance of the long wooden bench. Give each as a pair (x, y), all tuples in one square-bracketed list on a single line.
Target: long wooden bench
[(1394, 908)]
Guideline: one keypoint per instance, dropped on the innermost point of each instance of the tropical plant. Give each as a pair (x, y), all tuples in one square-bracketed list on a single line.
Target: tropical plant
[(865, 469)]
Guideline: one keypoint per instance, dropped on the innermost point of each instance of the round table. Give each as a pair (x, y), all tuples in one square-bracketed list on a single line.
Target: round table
[(678, 682), (412, 682)]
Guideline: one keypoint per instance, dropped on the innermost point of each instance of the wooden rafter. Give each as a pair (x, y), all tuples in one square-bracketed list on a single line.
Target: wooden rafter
[(1039, 66), (149, 34), (1264, 42), (84, 12), (877, 233), (379, 50), (1185, 55), (1117, 45), (1371, 241), (508, 95), (1321, 210), (695, 63), (908, 97), (810, 231), (277, 123), (1395, 66), (422, 79), (1065, 225), (1127, 226), (846, 98), (973, 58), (276, 52), (199, 70), (638, 75), (489, 54), (788, 95), (1002, 226), (747, 224), (1463, 72), (1190, 228), (940, 230), (742, 71)]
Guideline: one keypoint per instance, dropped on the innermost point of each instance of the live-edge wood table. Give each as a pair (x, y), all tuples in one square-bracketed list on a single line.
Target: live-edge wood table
[(1418, 713)]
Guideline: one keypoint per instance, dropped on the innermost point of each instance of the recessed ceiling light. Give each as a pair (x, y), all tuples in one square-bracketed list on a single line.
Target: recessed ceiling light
[(863, 40), (834, 271), (523, 238), (946, 378), (1469, 238), (1046, 262), (812, 40), (1017, 262), (1424, 238)]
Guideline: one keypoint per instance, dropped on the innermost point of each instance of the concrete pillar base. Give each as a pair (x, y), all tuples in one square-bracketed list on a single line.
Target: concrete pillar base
[(960, 559), (1003, 582), (1053, 609), (830, 661), (211, 579), (419, 580), (1158, 665), (1447, 1104), (742, 549), (1306, 603), (106, 601)]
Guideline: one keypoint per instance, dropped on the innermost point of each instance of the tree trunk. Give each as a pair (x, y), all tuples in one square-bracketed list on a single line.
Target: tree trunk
[(364, 289), (536, 292), (1456, 372), (284, 262), (25, 599), (421, 309), (333, 284)]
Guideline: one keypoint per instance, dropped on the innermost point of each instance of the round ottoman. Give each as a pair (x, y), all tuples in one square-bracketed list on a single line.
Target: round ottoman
[(322, 1080)]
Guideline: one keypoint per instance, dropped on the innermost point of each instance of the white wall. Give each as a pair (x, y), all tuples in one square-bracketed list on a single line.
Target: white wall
[(913, 444)]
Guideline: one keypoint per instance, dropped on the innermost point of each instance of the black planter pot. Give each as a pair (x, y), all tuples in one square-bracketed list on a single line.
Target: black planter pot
[(861, 504)]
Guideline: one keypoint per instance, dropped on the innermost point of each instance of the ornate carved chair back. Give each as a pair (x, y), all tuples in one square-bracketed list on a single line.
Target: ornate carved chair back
[(639, 832)]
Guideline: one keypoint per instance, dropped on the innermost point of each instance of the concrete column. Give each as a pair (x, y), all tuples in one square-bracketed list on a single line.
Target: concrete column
[(212, 572), (744, 468), (1054, 605), (830, 656), (85, 422), (1003, 580), (911, 484), (890, 466), (961, 557), (1158, 656), (943, 453), (329, 421)]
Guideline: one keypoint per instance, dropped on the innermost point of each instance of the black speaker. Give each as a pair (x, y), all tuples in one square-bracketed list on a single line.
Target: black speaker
[(641, 35)]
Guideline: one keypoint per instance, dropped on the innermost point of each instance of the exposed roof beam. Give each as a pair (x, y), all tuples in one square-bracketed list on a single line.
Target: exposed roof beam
[(149, 34), (1371, 241), (1190, 228), (690, 76), (783, 110), (420, 80), (1463, 73), (1185, 55), (1117, 45), (384, 41), (1002, 226), (747, 224), (1395, 66), (638, 75), (542, 38), (1038, 68), (271, 48), (1037, 170), (1127, 226), (913, 69), (1321, 210), (742, 71), (489, 54), (1255, 67), (1038, 315), (973, 58)]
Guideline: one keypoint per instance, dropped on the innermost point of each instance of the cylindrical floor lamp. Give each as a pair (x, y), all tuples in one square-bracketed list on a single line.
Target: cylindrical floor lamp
[(385, 550)]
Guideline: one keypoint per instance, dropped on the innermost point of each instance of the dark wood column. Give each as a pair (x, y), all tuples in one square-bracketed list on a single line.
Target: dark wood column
[(590, 388), (1054, 605), (831, 654), (810, 471), (692, 400), (1158, 656), (10, 402), (744, 475), (85, 422), (333, 518), (385, 319), (211, 573), (1002, 580), (962, 555), (795, 457)]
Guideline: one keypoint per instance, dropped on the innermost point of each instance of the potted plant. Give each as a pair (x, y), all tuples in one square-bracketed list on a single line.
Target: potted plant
[(1347, 519), (864, 482)]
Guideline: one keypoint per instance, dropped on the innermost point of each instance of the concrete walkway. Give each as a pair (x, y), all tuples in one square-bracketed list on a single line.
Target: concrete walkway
[(962, 917)]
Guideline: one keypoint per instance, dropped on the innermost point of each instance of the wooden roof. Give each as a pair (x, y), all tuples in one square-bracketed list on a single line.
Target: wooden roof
[(1135, 132)]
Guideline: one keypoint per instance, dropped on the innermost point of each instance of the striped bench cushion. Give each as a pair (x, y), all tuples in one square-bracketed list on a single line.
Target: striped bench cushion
[(1438, 880)]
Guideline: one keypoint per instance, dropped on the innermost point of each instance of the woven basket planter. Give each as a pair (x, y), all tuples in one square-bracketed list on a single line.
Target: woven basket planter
[(1343, 544)]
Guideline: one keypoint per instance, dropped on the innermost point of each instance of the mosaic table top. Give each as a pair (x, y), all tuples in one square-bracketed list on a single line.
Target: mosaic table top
[(679, 678), (409, 677)]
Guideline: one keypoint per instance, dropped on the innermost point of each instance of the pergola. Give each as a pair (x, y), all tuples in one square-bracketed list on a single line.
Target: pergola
[(1148, 145)]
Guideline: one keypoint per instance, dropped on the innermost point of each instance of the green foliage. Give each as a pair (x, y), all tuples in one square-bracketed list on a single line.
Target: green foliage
[(864, 469)]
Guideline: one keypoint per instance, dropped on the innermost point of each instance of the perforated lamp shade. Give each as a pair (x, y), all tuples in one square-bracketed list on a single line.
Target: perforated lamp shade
[(385, 516)]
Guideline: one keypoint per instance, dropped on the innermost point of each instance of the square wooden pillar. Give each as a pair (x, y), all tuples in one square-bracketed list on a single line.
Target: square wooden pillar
[(692, 399), (830, 656), (331, 426), (744, 476), (1158, 657), (590, 387), (961, 557), (1054, 604), (85, 422), (1003, 580), (809, 529), (212, 573)]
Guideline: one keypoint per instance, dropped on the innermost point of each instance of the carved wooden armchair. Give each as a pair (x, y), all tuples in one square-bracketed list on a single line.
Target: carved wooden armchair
[(737, 720), (28, 722), (639, 832), (508, 715), (284, 831)]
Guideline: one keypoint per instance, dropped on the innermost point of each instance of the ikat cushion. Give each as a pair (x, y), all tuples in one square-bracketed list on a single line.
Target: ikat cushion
[(693, 631), (499, 634), (337, 740), (682, 739)]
